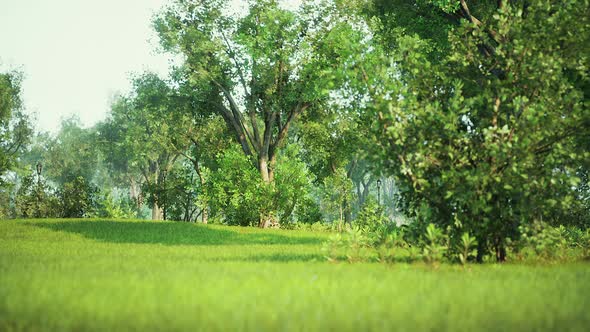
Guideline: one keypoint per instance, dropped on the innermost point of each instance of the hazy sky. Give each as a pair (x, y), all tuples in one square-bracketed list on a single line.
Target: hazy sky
[(76, 53)]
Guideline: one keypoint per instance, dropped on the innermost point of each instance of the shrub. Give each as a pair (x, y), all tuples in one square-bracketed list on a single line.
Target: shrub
[(434, 244), (371, 215), (332, 247), (466, 248), (109, 207), (236, 190), (543, 241), (78, 198), (34, 199)]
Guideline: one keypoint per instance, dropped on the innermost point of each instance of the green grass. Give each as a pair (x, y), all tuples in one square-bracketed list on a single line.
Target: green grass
[(74, 275)]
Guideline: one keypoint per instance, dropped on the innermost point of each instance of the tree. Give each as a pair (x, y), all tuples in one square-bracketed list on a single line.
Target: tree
[(337, 191), (207, 135), (486, 137), (15, 127), (140, 132), (259, 72), (70, 154)]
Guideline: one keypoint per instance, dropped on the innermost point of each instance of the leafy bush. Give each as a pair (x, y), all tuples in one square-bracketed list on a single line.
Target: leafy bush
[(236, 190), (349, 243), (354, 240), (309, 211), (466, 248), (34, 199), (387, 249), (434, 244), (498, 143), (332, 247), (78, 198), (336, 196), (371, 215), (109, 207), (543, 241)]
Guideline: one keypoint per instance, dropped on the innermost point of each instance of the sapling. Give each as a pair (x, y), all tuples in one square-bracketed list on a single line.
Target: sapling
[(466, 248)]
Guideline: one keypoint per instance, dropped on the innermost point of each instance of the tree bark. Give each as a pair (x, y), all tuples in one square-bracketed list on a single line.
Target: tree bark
[(347, 212), (264, 170), (204, 212), (157, 212)]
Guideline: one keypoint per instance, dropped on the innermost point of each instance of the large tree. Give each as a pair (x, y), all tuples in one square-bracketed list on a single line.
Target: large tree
[(487, 135), (260, 72)]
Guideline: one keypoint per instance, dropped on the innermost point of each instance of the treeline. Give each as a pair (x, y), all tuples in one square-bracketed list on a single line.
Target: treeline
[(472, 116)]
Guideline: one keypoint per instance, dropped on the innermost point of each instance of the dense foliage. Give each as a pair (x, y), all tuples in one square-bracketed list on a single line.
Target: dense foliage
[(447, 130), (487, 137)]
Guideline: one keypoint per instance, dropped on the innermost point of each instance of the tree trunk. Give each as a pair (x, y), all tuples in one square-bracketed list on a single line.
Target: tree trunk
[(205, 215), (500, 249), (265, 167), (347, 212), (204, 212), (135, 192), (157, 212)]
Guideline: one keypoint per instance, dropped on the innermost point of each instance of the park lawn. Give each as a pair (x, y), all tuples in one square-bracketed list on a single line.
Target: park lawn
[(99, 275)]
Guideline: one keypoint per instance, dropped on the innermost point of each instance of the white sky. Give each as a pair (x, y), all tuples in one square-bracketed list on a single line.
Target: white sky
[(76, 54)]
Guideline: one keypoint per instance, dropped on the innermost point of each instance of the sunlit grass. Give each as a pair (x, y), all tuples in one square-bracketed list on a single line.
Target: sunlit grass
[(74, 275)]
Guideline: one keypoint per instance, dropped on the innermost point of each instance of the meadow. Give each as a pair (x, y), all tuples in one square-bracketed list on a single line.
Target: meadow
[(100, 275)]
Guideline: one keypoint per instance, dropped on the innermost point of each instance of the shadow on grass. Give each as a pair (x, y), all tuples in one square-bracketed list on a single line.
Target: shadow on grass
[(275, 257), (170, 233)]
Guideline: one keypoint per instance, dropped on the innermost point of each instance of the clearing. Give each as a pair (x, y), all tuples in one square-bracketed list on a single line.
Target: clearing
[(100, 275)]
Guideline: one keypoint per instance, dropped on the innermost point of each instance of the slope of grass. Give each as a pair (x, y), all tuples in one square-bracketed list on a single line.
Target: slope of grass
[(78, 275)]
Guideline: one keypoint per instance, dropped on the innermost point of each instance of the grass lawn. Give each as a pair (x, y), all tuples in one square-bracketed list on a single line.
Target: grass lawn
[(75, 275)]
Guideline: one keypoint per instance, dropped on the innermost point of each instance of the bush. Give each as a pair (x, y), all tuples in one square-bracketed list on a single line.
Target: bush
[(540, 240), (34, 199), (309, 211), (78, 198), (237, 193), (434, 244), (371, 216), (465, 250), (498, 143), (109, 207)]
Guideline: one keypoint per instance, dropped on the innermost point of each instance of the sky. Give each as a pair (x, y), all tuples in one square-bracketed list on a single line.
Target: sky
[(76, 54)]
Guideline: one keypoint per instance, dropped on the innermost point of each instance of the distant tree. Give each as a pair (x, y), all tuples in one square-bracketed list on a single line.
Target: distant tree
[(70, 154), (139, 134)]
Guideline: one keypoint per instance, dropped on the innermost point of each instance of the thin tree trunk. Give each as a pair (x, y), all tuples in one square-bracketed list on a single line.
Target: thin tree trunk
[(347, 212), (205, 215)]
